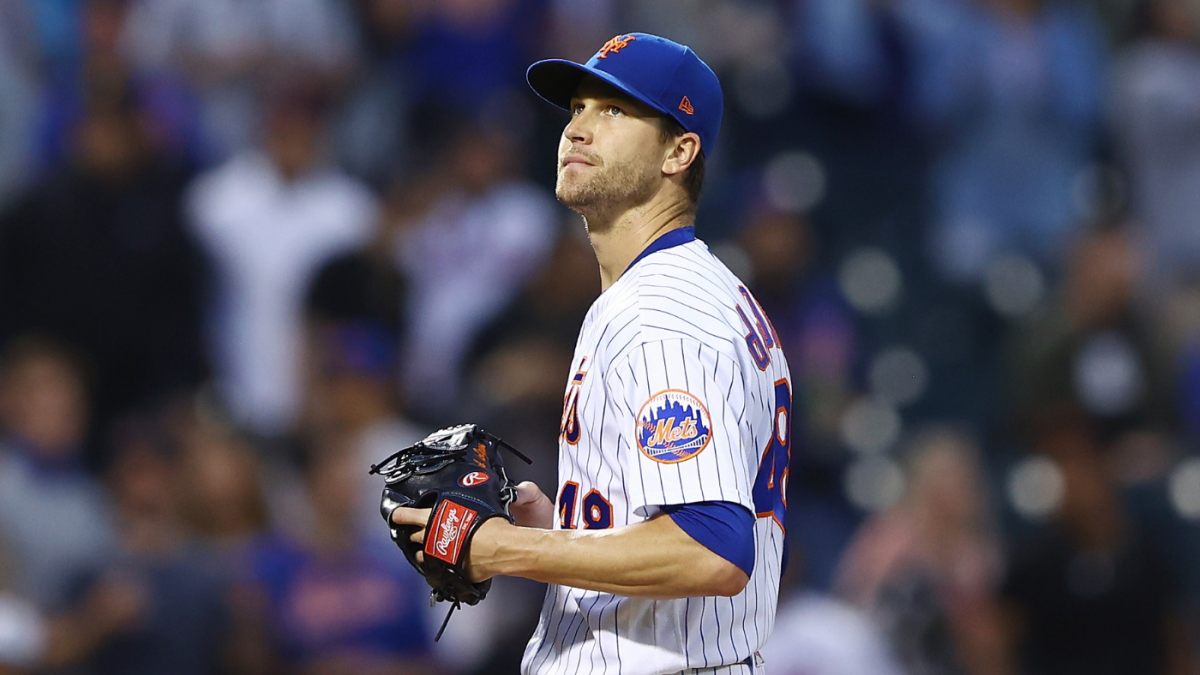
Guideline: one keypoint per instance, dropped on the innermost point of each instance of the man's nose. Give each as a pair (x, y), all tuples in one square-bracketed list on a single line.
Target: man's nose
[(579, 130)]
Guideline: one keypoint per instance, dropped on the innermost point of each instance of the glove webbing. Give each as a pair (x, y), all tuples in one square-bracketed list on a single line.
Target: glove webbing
[(409, 461)]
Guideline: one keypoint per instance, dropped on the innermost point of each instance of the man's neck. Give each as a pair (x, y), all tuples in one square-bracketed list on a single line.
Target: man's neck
[(619, 240)]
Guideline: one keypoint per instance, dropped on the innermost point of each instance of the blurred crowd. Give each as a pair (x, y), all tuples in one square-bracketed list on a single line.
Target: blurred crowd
[(249, 247)]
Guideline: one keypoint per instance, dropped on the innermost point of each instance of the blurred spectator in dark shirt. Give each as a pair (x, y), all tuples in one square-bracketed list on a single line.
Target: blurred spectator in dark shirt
[(178, 623), (54, 517), (487, 234), (97, 255), (363, 292), (385, 26), (269, 220), (520, 360), (335, 603), (356, 317), (1095, 347), (352, 395), (362, 285), (221, 498), (1089, 591), (1156, 105), (928, 568)]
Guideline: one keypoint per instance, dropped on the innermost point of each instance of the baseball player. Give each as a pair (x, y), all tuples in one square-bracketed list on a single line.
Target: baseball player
[(665, 543)]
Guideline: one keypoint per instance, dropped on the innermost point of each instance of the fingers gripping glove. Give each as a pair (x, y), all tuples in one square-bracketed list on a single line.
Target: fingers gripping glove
[(459, 474)]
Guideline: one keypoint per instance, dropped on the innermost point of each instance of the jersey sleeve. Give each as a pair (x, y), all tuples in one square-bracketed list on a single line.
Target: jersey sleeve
[(679, 405)]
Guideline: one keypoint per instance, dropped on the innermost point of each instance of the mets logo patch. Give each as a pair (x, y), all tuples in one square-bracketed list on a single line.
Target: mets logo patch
[(673, 426)]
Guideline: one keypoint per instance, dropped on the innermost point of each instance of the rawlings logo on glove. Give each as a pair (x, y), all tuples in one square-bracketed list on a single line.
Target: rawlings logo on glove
[(472, 479), (448, 528)]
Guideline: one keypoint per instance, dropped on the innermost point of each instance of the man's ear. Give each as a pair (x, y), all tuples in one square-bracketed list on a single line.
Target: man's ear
[(683, 151)]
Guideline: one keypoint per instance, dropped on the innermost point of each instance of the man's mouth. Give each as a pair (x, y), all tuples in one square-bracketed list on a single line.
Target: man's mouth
[(576, 159)]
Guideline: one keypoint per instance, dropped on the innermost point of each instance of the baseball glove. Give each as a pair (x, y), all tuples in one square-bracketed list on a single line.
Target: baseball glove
[(459, 474)]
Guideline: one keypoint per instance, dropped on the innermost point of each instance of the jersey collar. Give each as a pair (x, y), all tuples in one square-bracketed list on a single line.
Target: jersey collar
[(676, 237)]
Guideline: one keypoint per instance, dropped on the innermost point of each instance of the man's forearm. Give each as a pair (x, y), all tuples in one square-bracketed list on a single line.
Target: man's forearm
[(654, 559)]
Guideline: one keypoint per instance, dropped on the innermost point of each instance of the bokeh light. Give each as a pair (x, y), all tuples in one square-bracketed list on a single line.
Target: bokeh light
[(899, 376), (1014, 285), (1036, 487), (1183, 488), (794, 182), (870, 280), (1108, 376), (874, 483), (870, 426)]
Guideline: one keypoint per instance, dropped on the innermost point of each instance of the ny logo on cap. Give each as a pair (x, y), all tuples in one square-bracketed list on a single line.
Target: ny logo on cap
[(614, 46)]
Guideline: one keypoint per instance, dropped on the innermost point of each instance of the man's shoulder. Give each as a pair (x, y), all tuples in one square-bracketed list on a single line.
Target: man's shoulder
[(685, 292), (679, 294), (689, 264)]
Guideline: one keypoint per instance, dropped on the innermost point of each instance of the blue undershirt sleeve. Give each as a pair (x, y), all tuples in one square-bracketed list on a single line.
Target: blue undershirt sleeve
[(725, 528)]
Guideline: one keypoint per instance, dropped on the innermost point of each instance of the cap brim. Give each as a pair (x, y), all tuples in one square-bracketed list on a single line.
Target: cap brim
[(556, 81)]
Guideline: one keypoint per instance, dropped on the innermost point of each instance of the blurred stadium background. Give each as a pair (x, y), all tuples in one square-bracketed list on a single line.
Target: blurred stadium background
[(249, 246)]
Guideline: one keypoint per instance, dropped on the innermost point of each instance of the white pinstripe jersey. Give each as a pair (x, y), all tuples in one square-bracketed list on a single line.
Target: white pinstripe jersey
[(678, 394)]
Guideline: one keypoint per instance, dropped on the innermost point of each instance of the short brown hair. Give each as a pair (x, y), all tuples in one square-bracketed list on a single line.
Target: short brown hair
[(693, 179)]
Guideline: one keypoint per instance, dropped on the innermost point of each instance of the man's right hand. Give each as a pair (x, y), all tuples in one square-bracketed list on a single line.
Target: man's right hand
[(532, 507)]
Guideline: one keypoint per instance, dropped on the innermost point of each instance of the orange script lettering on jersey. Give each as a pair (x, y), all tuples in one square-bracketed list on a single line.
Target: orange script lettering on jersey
[(666, 432), (614, 46)]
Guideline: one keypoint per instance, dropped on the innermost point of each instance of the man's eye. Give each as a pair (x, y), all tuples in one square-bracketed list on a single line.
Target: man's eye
[(614, 110)]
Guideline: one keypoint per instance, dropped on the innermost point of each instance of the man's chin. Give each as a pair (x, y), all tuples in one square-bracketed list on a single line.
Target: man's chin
[(576, 197)]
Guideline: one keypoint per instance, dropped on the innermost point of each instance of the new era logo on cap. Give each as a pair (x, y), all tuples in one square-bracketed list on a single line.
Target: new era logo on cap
[(662, 74)]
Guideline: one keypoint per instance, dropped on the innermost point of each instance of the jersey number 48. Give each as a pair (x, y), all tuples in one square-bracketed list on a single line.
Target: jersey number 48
[(770, 486)]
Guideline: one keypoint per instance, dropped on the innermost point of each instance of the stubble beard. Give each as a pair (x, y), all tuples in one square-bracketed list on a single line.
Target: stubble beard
[(605, 188)]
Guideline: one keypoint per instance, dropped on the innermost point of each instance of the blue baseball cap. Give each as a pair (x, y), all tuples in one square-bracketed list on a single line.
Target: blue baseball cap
[(665, 75)]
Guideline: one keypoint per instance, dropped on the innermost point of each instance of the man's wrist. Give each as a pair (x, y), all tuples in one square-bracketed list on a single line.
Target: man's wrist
[(495, 549)]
